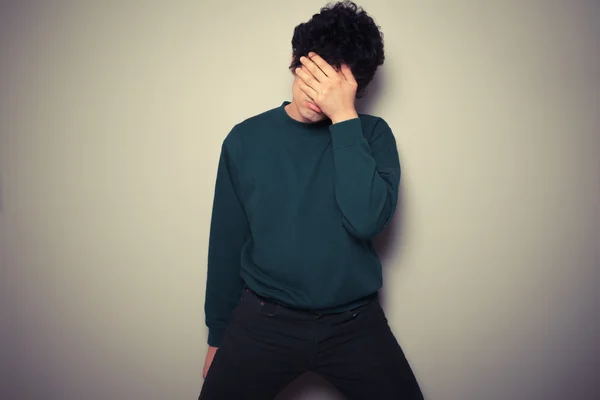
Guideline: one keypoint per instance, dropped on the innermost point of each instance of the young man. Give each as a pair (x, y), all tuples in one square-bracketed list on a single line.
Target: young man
[(301, 191)]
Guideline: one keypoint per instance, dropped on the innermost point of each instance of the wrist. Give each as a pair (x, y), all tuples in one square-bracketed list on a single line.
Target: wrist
[(344, 116)]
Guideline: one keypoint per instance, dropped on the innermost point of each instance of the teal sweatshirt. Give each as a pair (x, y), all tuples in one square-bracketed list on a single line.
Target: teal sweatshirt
[(296, 207)]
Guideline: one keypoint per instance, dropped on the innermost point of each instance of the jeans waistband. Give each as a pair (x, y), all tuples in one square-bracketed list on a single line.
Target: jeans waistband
[(271, 307)]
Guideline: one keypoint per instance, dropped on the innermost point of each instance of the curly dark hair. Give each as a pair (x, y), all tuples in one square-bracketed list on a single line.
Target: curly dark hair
[(342, 33)]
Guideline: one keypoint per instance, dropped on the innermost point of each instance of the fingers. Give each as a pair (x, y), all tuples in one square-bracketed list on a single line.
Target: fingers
[(307, 78), (322, 64), (310, 92), (314, 69), (347, 72)]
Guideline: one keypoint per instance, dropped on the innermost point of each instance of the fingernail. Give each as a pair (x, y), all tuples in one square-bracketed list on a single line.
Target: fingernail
[(311, 54)]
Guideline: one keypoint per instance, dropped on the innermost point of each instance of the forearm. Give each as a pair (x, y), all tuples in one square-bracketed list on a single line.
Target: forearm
[(223, 291), (366, 194), (223, 281), (229, 231)]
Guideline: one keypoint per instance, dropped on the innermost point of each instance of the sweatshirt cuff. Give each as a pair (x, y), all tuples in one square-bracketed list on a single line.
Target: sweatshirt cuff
[(346, 133), (214, 336)]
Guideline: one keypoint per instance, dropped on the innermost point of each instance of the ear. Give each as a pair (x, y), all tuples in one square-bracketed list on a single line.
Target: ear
[(290, 65)]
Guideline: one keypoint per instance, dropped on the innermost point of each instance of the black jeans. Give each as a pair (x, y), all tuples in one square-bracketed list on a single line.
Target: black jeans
[(266, 346)]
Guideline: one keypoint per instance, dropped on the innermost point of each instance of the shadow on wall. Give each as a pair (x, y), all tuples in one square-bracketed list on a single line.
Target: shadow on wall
[(311, 386)]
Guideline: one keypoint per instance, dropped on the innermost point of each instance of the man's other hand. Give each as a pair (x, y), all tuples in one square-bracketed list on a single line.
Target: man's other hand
[(210, 355)]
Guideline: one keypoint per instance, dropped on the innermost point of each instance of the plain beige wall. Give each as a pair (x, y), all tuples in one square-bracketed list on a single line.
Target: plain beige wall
[(112, 118)]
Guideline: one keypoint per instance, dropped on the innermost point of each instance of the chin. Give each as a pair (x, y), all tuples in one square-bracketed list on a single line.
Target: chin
[(313, 116)]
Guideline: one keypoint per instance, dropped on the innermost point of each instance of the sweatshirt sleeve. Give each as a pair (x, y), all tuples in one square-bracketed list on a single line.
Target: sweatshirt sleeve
[(367, 176), (229, 230)]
